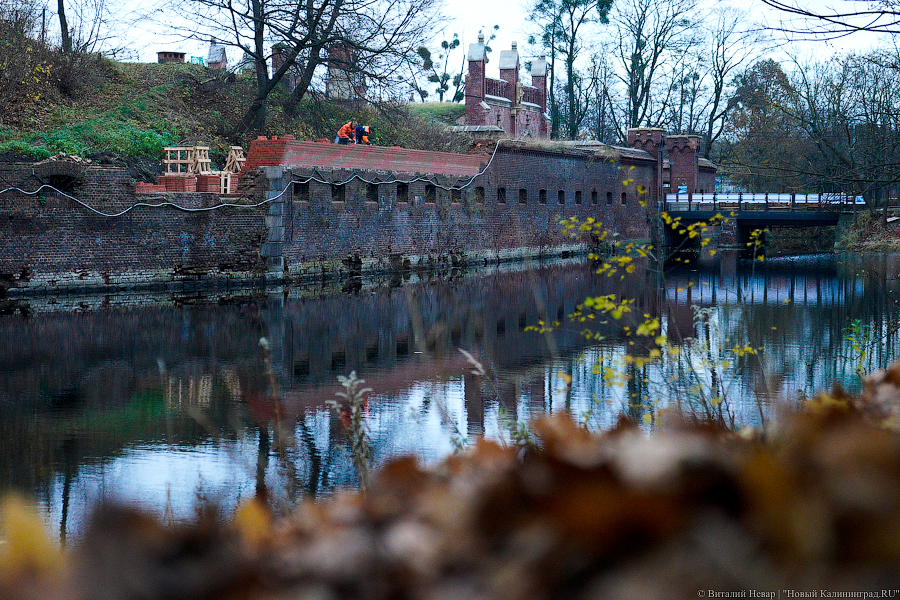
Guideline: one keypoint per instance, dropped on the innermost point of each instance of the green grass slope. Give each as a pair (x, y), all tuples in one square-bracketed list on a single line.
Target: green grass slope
[(136, 109)]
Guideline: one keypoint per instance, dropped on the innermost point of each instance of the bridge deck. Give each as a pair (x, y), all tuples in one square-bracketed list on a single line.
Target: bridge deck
[(794, 210)]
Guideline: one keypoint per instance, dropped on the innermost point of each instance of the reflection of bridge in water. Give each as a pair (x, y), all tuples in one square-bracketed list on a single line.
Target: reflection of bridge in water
[(711, 289)]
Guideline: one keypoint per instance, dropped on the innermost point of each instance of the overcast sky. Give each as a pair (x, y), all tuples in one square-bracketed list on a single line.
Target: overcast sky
[(467, 17)]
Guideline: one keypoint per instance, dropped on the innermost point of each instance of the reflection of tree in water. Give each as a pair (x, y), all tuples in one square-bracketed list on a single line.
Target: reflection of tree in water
[(114, 398)]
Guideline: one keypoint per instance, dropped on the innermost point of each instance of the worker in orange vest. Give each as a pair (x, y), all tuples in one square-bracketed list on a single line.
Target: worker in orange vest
[(345, 134), (362, 134)]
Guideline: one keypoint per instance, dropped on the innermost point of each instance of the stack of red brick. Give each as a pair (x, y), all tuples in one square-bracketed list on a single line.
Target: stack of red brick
[(141, 187), (178, 183), (209, 183), (172, 183)]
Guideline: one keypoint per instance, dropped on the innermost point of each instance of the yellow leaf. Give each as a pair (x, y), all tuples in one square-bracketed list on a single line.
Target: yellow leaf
[(253, 522), (27, 547), (565, 377)]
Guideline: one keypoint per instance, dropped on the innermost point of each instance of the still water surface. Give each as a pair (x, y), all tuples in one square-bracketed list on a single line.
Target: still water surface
[(167, 402)]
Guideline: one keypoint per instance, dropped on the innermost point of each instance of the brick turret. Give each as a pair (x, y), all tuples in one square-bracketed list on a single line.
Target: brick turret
[(684, 152), (652, 141)]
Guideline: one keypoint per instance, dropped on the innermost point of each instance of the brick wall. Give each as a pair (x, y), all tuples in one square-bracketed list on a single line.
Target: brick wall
[(52, 241), (372, 208), (331, 226), (683, 153)]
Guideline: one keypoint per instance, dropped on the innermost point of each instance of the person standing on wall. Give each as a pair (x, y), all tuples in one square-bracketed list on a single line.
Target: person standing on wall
[(345, 134), (362, 134)]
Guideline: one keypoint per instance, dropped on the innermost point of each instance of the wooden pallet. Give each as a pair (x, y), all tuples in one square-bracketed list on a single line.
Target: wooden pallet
[(179, 159), (200, 162), (235, 161)]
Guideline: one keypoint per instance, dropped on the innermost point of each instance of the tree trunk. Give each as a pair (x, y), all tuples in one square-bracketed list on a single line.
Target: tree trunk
[(64, 26)]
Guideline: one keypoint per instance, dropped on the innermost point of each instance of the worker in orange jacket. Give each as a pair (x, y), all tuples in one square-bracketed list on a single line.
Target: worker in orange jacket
[(345, 134)]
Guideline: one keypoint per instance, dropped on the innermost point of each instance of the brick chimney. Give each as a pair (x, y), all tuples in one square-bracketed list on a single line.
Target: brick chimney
[(475, 113), (509, 72), (539, 79)]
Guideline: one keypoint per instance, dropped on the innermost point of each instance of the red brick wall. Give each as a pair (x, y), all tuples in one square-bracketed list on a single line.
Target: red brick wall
[(446, 230), (51, 241)]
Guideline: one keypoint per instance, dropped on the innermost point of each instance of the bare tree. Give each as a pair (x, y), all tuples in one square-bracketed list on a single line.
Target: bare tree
[(733, 42), (377, 37), (650, 34), (812, 22), (562, 25), (63, 26), (847, 106), (604, 81)]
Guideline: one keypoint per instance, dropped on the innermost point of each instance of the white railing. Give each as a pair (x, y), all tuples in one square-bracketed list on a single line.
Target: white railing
[(756, 201)]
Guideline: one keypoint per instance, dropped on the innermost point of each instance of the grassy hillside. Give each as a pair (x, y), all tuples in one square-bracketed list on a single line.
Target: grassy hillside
[(135, 109)]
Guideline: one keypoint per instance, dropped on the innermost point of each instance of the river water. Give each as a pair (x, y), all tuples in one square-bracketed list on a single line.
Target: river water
[(171, 402)]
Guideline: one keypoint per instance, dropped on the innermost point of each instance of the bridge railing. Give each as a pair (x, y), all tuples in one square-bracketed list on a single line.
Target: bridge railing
[(744, 202)]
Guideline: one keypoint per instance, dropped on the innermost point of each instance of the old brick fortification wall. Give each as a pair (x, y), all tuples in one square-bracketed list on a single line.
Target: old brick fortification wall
[(381, 218), (52, 242), (326, 209)]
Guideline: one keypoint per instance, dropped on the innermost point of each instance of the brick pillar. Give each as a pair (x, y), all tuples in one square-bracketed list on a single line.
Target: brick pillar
[(684, 151), (509, 71), (273, 248), (475, 83)]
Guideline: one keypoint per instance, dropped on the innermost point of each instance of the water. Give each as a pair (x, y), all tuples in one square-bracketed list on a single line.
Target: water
[(169, 403)]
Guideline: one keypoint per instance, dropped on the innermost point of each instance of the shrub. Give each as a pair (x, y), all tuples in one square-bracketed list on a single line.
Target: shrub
[(24, 149)]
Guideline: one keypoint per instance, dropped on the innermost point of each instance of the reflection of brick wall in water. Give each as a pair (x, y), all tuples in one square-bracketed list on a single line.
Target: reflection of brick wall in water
[(159, 364), (377, 332)]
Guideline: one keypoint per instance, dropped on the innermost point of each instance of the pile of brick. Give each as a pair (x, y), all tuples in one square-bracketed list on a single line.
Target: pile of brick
[(178, 183), (188, 169), (142, 187)]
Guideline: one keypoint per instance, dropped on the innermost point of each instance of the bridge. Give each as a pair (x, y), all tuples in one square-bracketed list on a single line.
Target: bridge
[(747, 212)]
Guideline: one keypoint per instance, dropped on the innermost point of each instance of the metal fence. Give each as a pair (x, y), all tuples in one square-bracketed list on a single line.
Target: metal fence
[(700, 202)]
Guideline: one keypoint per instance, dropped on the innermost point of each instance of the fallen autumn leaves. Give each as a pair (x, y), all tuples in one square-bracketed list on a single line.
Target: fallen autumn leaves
[(814, 505)]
